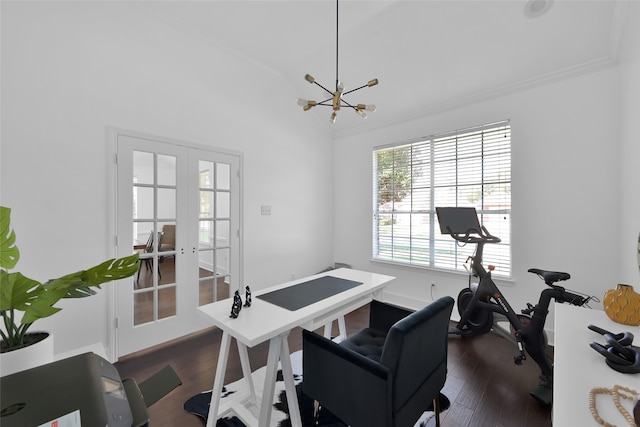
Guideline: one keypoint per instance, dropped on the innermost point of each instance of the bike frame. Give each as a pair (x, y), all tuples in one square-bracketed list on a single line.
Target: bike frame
[(477, 317), (531, 336)]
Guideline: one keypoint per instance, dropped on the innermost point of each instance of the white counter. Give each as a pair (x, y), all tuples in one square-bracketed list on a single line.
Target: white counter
[(578, 368)]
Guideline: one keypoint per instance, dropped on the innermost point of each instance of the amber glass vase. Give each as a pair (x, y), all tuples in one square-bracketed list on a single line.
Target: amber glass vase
[(622, 305)]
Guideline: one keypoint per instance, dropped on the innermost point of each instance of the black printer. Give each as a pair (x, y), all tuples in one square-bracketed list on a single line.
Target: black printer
[(86, 386)]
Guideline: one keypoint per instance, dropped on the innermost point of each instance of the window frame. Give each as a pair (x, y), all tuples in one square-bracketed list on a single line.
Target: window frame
[(425, 247)]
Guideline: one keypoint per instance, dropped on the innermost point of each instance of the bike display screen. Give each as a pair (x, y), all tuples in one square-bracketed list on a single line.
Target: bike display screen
[(458, 220)]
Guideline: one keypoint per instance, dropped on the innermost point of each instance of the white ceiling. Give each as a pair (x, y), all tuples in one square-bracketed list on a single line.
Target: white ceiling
[(428, 55)]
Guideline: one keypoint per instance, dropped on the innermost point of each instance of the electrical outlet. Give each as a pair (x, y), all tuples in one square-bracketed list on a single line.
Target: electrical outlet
[(265, 210)]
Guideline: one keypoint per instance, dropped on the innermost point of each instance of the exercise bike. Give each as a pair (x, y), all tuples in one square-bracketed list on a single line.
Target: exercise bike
[(483, 307)]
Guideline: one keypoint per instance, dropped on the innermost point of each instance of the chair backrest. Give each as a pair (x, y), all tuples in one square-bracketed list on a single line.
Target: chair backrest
[(149, 247), (415, 351), (169, 235)]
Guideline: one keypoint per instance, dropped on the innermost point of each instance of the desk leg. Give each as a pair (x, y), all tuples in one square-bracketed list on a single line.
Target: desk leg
[(246, 370), (218, 381), (279, 351), (327, 330), (275, 346), (289, 384), (342, 328)]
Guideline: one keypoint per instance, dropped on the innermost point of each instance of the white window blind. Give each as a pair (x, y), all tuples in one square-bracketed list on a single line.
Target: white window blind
[(470, 168)]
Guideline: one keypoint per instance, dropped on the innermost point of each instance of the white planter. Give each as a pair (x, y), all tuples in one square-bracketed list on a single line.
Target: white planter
[(28, 357)]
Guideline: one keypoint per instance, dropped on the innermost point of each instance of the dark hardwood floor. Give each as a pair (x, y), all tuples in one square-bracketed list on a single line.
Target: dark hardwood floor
[(484, 385)]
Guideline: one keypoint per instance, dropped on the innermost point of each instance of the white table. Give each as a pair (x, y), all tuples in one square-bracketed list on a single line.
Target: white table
[(578, 368), (264, 321)]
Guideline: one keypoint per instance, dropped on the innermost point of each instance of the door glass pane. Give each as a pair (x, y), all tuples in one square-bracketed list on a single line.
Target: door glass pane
[(206, 204), (166, 269), (205, 291), (223, 176), (167, 302), (143, 307), (141, 232), (214, 289), (144, 277), (166, 253), (223, 209), (205, 263), (142, 167), (143, 202), (166, 170), (222, 286), (206, 280), (206, 174), (168, 230), (166, 202), (206, 232), (222, 233), (222, 261)]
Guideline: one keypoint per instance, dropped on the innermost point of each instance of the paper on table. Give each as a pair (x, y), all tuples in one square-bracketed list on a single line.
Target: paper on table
[(72, 419)]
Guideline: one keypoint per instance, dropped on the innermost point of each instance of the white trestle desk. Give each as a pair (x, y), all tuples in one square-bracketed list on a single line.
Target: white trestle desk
[(578, 368), (264, 321)]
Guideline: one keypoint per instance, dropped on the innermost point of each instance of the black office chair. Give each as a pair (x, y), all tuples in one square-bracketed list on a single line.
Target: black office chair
[(386, 375)]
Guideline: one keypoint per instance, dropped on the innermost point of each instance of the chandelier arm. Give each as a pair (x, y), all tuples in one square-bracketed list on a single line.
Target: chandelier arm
[(328, 91), (353, 90), (324, 102), (346, 104)]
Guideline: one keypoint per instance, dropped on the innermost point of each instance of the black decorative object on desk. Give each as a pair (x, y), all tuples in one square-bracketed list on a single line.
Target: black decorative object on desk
[(619, 352), (237, 305), (247, 299)]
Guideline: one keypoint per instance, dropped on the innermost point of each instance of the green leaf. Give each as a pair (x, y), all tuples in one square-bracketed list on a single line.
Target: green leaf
[(42, 306), (9, 253), (17, 291), (79, 284)]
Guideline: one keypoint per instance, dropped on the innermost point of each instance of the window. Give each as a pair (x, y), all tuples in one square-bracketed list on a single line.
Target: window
[(469, 167)]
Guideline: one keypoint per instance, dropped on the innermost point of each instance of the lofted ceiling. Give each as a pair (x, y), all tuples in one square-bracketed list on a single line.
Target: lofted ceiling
[(428, 55)]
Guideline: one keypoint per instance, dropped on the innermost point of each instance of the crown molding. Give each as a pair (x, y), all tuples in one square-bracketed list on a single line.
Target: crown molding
[(501, 91)]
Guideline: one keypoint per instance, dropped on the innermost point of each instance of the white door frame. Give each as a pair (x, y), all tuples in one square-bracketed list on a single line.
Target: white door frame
[(112, 140)]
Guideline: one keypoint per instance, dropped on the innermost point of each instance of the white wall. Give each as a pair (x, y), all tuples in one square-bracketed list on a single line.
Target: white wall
[(629, 210), (71, 69), (565, 191)]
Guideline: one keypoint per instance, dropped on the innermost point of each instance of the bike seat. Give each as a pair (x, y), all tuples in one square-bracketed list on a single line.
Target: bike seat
[(550, 277)]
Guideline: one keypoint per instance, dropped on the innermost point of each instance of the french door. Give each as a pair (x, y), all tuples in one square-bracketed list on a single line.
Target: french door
[(179, 208)]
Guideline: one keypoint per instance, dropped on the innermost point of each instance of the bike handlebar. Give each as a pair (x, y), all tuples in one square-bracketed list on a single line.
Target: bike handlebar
[(570, 297), (481, 236)]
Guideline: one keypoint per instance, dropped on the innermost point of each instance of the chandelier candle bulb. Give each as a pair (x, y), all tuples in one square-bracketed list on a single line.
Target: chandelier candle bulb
[(309, 78)]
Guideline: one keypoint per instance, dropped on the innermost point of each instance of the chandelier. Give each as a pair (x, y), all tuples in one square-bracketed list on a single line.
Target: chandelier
[(336, 100)]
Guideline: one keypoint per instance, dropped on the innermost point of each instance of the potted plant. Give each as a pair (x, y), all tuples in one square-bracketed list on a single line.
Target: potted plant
[(19, 293)]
